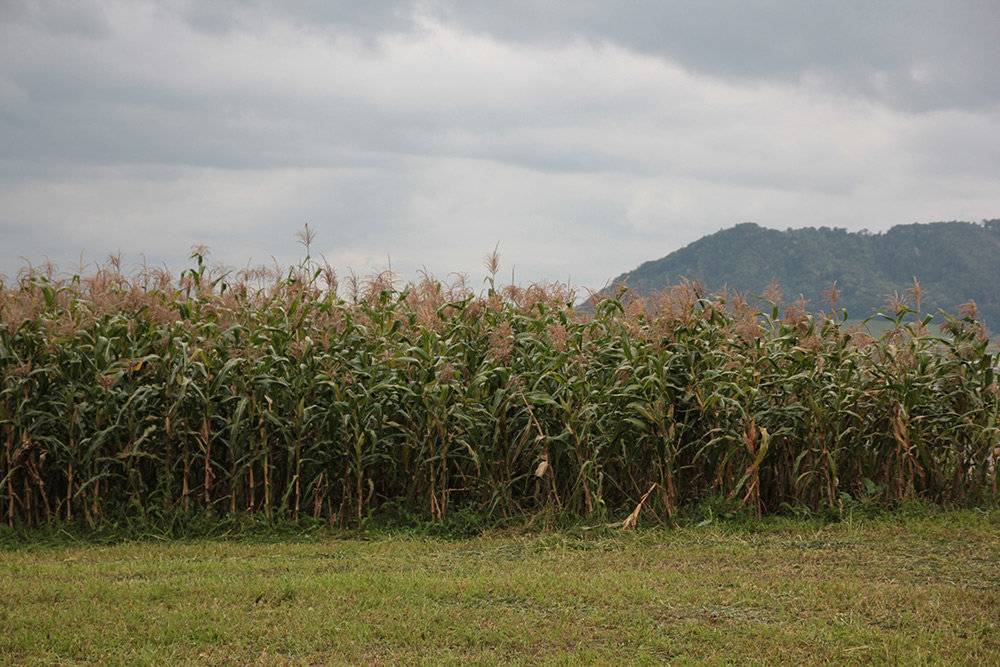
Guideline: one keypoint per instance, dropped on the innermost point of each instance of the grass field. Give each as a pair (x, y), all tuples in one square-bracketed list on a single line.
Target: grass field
[(917, 588)]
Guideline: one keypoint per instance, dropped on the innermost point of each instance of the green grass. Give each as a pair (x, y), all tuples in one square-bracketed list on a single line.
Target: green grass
[(917, 588)]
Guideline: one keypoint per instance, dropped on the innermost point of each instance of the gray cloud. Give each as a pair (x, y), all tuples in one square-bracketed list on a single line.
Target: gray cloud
[(586, 137), (916, 54), (65, 18)]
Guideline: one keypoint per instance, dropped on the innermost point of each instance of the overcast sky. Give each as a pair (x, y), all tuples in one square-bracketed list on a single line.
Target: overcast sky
[(583, 137)]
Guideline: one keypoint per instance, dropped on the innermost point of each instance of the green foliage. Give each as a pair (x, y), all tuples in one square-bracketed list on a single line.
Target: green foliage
[(153, 404), (956, 262)]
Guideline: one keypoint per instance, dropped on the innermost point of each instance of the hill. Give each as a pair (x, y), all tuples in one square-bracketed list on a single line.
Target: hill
[(955, 262)]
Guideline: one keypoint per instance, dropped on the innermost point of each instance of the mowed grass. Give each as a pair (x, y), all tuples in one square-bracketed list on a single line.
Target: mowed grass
[(918, 589)]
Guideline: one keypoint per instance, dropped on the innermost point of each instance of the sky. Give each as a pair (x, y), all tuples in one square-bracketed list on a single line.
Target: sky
[(580, 138)]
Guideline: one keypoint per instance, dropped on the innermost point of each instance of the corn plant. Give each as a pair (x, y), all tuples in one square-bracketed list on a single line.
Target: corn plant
[(280, 393)]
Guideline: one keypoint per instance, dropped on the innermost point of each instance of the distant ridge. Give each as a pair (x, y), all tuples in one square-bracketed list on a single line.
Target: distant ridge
[(955, 262)]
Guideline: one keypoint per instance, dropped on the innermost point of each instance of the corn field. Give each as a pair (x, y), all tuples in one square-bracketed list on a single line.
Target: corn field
[(287, 393)]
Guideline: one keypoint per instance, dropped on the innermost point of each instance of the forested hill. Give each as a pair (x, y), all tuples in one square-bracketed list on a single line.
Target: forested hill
[(955, 262)]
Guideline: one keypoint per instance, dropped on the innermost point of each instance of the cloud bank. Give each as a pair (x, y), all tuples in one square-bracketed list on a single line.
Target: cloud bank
[(583, 137)]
